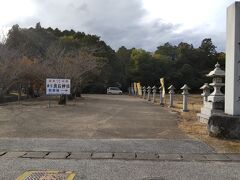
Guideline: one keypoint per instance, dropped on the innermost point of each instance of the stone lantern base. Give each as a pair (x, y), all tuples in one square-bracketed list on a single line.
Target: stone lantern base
[(209, 109), (219, 124), (224, 126)]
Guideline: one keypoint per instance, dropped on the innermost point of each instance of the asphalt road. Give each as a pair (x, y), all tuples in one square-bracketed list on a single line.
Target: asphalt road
[(124, 170), (105, 145)]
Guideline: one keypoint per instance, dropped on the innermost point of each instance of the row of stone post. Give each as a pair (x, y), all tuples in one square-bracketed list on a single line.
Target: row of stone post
[(147, 95), (148, 91)]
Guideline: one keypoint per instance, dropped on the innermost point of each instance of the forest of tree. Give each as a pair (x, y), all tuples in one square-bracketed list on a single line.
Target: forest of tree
[(30, 55), (179, 65)]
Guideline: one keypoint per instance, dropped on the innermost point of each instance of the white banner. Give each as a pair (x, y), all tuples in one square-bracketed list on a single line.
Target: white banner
[(57, 86)]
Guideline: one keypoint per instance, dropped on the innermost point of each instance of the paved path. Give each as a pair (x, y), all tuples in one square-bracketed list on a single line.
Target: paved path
[(124, 169), (105, 145)]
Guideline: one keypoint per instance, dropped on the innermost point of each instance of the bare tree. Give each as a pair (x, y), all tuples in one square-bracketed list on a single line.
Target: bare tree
[(18, 69), (75, 65), (10, 69)]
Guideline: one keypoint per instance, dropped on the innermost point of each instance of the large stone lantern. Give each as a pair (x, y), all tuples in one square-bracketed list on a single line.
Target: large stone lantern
[(217, 74), (214, 103)]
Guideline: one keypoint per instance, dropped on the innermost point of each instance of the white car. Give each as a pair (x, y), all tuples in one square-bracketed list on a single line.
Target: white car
[(114, 90)]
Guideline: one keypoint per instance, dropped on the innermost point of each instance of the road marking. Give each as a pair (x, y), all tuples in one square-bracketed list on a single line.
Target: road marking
[(47, 175)]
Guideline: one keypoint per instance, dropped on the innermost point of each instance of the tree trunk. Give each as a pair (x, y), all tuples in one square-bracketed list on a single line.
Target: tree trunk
[(19, 93), (30, 91), (78, 91), (1, 95), (62, 100), (72, 95)]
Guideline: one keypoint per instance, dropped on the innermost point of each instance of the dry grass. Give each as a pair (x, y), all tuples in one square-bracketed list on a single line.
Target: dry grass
[(192, 127)]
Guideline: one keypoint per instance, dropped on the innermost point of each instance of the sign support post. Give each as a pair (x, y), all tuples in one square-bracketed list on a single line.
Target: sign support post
[(49, 101)]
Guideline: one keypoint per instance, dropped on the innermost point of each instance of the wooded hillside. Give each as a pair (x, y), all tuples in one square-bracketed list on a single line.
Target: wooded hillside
[(29, 56)]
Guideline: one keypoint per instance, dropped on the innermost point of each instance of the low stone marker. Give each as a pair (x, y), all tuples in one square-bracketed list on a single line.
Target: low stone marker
[(149, 92), (144, 92), (154, 90), (206, 92), (129, 91), (185, 94), (160, 96), (171, 93)]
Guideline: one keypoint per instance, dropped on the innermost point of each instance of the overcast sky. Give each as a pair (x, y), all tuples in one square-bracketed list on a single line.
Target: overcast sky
[(131, 23)]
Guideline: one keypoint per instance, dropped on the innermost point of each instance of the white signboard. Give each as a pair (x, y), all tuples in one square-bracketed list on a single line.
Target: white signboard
[(57, 86)]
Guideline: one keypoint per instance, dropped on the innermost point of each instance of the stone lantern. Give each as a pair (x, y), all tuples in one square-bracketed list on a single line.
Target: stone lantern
[(214, 103), (149, 92), (185, 94), (206, 91), (154, 90), (171, 92), (217, 74), (144, 92)]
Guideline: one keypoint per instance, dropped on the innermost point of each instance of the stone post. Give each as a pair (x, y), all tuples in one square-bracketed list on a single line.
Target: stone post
[(149, 92), (206, 91), (185, 94), (171, 93), (154, 90), (160, 96), (132, 90), (222, 114), (232, 88), (129, 91), (144, 92)]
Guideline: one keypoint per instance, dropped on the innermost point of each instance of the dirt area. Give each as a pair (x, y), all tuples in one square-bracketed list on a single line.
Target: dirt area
[(193, 128), (93, 117)]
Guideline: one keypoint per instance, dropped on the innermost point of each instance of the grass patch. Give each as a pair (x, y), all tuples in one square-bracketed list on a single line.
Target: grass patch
[(191, 126)]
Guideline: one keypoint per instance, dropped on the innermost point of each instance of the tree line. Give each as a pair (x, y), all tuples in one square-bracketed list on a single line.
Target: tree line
[(30, 55), (177, 64)]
